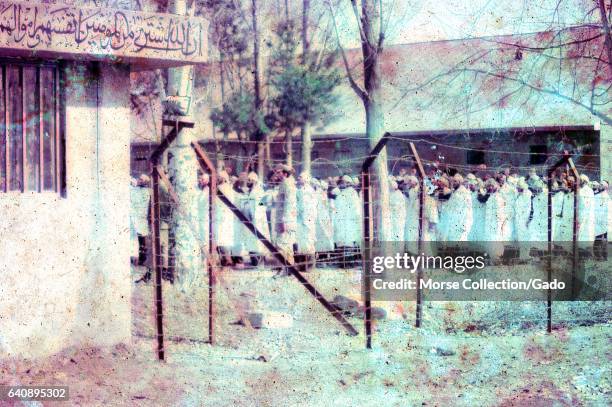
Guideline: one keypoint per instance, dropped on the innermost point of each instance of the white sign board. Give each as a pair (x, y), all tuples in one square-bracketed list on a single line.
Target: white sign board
[(100, 34)]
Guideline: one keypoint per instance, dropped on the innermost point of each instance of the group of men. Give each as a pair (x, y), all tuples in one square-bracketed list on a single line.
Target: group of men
[(308, 218)]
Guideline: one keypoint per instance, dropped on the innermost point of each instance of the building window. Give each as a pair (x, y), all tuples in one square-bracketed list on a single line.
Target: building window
[(537, 154), (31, 136), (475, 157)]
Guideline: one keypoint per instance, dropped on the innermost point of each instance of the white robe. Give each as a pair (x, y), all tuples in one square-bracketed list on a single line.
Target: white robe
[(538, 226), (602, 203), (256, 207), (495, 222), (459, 215), (443, 213), (241, 232), (346, 218), (397, 204), (586, 214), (287, 222), (325, 231), (203, 221), (224, 219), (477, 231), (307, 219), (139, 216), (522, 208), (508, 192), (411, 231)]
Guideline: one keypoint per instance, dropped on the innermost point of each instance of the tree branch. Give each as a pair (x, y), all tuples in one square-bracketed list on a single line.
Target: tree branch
[(360, 92)]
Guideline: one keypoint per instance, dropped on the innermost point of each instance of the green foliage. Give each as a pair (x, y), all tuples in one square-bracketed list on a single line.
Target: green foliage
[(238, 114), (302, 87)]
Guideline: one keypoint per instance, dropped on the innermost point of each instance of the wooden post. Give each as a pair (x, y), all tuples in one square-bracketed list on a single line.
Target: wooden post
[(419, 294), (367, 254), (155, 216)]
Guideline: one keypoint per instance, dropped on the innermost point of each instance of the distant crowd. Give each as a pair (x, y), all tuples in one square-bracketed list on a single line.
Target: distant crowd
[(320, 218)]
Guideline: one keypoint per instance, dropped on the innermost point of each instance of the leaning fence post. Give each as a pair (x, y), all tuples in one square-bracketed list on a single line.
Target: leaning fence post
[(566, 159), (419, 294)]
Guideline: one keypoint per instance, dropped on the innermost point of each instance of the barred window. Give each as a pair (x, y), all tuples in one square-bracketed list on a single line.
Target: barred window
[(31, 136)]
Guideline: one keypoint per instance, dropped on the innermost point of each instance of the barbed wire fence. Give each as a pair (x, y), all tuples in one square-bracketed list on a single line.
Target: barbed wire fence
[(188, 315)]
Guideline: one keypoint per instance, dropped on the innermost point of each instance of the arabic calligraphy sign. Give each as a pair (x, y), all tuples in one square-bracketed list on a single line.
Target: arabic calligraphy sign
[(100, 33)]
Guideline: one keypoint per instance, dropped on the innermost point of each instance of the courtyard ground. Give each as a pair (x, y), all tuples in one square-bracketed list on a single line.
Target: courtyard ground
[(481, 354)]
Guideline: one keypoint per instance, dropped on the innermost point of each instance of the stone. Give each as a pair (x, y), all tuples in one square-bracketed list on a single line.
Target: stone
[(270, 320)]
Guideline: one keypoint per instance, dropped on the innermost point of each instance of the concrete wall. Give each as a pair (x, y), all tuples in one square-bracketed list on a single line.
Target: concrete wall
[(65, 261)]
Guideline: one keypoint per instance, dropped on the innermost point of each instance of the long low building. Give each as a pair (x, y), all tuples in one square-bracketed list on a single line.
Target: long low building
[(515, 100)]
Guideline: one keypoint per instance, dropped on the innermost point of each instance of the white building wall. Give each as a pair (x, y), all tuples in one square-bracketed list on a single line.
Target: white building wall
[(65, 261)]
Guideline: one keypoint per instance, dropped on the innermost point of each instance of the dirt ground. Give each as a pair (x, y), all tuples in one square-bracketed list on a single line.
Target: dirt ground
[(460, 357)]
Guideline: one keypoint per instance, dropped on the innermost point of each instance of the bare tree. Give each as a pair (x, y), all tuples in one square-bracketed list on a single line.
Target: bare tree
[(369, 18)]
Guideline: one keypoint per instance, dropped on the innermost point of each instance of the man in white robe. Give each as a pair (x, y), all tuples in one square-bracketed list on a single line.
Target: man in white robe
[(538, 221), (476, 187), (602, 203), (341, 214), (522, 210), (307, 215), (287, 222), (397, 204), (223, 226), (443, 194), (325, 231), (508, 192), (459, 212), (256, 212), (140, 197), (241, 200), (495, 220), (411, 230), (586, 213)]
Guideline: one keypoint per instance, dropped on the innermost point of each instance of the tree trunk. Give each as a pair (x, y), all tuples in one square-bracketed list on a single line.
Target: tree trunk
[(375, 119), (289, 144), (375, 129), (257, 87), (219, 151), (306, 148), (261, 152), (182, 169), (306, 132)]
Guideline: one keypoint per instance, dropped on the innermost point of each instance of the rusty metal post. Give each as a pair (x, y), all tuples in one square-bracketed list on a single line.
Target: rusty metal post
[(565, 159), (155, 218), (419, 294), (549, 254), (207, 164), (367, 254), (575, 225)]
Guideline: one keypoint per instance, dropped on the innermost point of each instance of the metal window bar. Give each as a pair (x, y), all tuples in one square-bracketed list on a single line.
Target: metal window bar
[(41, 138), (57, 169), (24, 143), (7, 167)]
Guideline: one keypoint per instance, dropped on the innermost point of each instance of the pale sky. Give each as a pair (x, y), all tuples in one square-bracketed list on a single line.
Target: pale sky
[(426, 20)]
